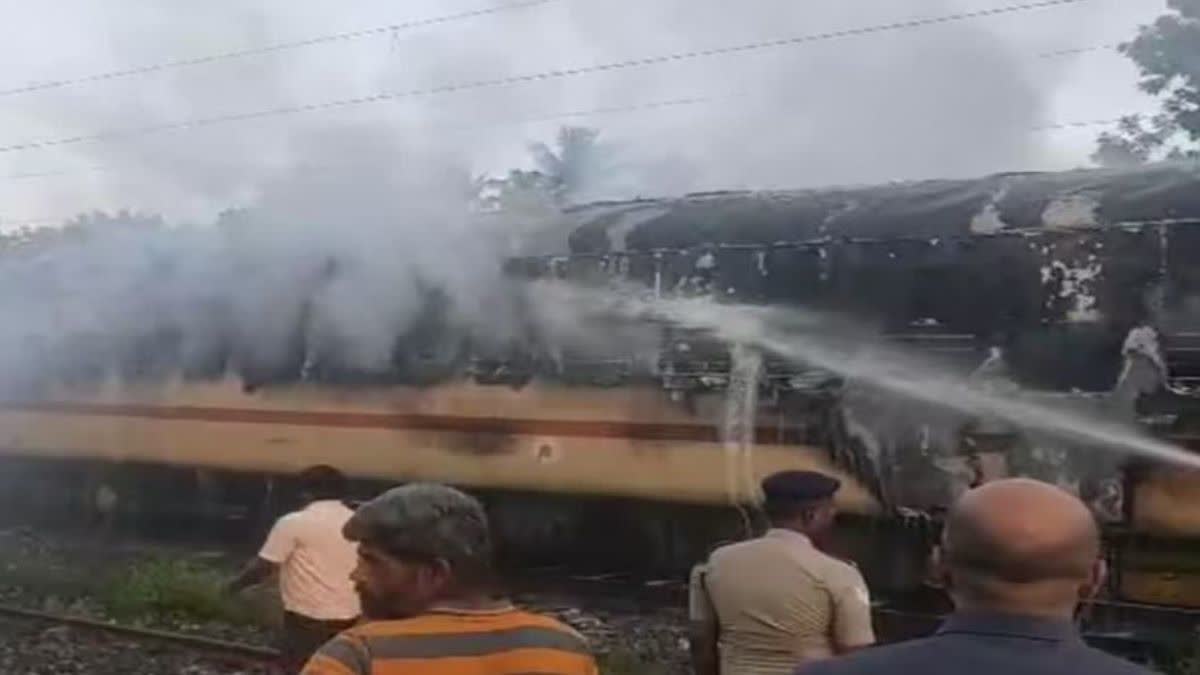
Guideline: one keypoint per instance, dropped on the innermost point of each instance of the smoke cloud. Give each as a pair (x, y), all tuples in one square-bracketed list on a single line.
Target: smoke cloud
[(347, 222), (879, 107), (326, 270)]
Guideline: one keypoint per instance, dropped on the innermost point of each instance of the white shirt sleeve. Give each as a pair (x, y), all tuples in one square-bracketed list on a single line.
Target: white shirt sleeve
[(700, 609), (281, 541)]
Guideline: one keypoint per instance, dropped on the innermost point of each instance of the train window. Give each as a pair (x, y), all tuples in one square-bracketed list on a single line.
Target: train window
[(1183, 250), (795, 275)]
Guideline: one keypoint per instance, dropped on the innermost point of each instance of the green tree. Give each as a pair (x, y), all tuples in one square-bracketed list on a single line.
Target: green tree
[(100, 220), (524, 192), (566, 168), (564, 172), (1167, 54)]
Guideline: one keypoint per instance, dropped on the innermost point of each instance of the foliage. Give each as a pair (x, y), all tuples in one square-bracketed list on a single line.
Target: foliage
[(172, 589), (1136, 141), (1167, 54), (32, 240), (566, 170), (521, 192), (1183, 664), (561, 174)]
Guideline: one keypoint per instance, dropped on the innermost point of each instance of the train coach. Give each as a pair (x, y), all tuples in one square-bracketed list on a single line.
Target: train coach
[(1075, 290)]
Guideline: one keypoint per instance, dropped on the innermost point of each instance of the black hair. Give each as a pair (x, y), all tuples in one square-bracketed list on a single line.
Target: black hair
[(788, 510), (323, 482), (424, 523)]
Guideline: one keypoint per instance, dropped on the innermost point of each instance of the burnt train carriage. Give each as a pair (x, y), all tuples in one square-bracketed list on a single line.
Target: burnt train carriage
[(1073, 289)]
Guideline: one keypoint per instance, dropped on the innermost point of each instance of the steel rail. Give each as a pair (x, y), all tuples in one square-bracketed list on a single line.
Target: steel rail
[(192, 642)]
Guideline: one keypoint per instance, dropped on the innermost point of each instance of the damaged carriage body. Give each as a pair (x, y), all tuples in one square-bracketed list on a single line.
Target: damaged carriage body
[(1077, 291)]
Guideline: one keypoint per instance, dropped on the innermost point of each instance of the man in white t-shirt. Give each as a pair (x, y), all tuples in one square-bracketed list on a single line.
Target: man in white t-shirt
[(314, 561)]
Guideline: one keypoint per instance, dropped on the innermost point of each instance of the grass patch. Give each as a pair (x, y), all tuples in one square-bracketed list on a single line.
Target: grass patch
[(174, 590), (624, 662), (1185, 663)]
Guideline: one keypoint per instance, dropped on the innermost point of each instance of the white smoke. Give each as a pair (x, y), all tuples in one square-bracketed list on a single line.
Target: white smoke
[(345, 220), (333, 266), (941, 101)]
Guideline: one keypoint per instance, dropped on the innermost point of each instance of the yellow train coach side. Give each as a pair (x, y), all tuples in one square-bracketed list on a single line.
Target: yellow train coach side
[(623, 442)]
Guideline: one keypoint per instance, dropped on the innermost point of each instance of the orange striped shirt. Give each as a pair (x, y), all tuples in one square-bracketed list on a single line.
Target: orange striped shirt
[(453, 642)]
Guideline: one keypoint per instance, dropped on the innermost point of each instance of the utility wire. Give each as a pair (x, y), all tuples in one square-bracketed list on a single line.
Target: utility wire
[(29, 222), (541, 76), (57, 172), (1083, 124), (1079, 50), (274, 48), (594, 112), (611, 110), (670, 103)]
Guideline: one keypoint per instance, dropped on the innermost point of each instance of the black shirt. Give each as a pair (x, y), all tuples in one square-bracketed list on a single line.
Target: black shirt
[(984, 644)]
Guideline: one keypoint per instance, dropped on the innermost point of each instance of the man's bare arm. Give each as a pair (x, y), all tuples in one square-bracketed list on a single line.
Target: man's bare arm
[(254, 573)]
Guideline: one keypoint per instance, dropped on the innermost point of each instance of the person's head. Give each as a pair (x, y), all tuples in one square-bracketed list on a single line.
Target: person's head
[(801, 501), (321, 482), (419, 545), (1020, 546)]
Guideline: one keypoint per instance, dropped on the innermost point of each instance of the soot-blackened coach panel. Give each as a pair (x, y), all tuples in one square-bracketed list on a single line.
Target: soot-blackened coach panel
[(1057, 268), (929, 209), (1048, 285)]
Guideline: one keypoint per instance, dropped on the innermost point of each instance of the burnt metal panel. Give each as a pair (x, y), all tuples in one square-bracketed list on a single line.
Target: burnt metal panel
[(796, 275), (740, 274), (923, 209)]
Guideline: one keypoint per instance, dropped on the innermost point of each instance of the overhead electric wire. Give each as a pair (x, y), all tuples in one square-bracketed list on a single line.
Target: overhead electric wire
[(1080, 50), (56, 172), (610, 110), (512, 80), (1084, 124), (29, 222), (273, 48), (549, 117)]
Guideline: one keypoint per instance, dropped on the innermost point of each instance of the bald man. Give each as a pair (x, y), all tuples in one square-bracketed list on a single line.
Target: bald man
[(1017, 556)]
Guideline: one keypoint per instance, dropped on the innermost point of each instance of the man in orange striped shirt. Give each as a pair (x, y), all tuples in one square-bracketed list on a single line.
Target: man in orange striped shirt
[(424, 577)]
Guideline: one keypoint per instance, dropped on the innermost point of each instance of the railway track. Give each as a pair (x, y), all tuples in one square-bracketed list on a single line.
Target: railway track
[(222, 651), (1120, 626), (631, 603)]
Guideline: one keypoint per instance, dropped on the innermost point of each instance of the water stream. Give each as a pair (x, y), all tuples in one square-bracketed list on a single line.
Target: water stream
[(797, 335)]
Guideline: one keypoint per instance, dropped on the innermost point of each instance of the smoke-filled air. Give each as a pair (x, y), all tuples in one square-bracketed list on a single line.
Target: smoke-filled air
[(412, 303), (889, 105), (317, 240)]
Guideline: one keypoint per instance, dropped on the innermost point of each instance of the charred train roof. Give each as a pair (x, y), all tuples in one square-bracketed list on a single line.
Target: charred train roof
[(935, 208)]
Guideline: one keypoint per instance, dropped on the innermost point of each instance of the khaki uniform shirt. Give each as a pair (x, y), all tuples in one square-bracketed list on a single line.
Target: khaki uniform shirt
[(779, 602)]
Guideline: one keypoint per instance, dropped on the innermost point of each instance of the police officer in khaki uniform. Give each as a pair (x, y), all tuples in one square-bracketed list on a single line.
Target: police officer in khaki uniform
[(766, 605)]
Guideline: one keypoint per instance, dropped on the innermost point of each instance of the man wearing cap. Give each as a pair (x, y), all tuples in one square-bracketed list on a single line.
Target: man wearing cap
[(765, 605), (424, 576)]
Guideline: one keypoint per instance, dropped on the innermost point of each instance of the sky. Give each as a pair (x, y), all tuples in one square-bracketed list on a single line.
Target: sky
[(953, 100)]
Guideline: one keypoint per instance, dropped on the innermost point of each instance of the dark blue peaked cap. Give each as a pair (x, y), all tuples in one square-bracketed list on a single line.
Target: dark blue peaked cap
[(799, 486)]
